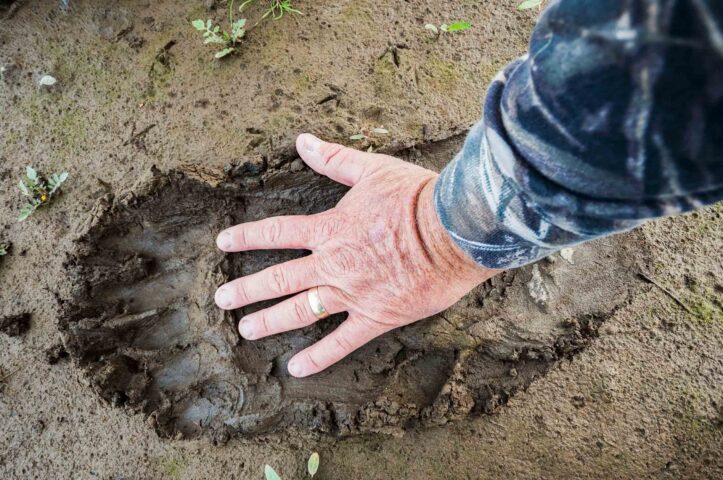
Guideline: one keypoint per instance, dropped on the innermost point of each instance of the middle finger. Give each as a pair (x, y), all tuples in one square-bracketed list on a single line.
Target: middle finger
[(273, 282)]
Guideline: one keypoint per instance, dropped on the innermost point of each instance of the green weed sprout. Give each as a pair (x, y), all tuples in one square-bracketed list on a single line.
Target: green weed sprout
[(4, 249), (39, 190), (279, 7), (276, 10), (213, 34), (451, 28), (312, 466), (528, 4)]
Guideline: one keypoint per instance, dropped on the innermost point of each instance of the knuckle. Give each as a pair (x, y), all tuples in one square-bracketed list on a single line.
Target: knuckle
[(300, 314), (312, 361), (335, 154), (346, 261), (271, 231), (242, 293), (338, 263), (331, 226), (342, 298), (264, 326), (342, 344), (240, 237), (279, 281)]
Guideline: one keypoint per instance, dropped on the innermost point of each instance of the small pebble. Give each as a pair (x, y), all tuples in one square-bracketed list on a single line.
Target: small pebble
[(567, 253), (297, 165)]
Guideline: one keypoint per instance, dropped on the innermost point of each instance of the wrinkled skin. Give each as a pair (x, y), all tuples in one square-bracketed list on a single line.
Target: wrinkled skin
[(381, 255)]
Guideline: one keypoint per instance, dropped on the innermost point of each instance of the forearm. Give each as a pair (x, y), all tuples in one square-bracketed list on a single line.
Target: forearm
[(602, 126)]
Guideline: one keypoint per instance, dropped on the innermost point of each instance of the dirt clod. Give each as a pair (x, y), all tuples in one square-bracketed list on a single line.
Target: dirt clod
[(112, 23)]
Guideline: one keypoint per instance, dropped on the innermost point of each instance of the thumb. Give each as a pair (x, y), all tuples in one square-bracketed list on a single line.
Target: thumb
[(341, 164)]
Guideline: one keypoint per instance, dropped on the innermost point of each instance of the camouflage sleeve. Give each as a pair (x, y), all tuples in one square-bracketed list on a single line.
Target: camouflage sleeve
[(615, 116)]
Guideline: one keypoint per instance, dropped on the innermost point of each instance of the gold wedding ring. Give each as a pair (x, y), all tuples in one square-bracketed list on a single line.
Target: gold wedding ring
[(315, 303)]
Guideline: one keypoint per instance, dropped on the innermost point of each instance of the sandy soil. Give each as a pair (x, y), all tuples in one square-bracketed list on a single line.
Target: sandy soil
[(606, 364)]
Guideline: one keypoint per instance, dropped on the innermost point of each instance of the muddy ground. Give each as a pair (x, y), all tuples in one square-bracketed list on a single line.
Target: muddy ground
[(604, 362)]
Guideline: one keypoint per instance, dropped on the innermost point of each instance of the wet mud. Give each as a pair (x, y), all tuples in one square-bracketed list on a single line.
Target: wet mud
[(137, 87), (142, 323)]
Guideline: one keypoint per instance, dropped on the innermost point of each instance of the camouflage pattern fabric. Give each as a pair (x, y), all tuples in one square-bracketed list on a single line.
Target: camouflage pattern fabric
[(614, 117)]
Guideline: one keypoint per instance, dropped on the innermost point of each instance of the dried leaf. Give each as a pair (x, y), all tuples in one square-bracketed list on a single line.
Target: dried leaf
[(528, 4), (47, 81), (271, 473), (224, 52), (313, 464), (32, 174)]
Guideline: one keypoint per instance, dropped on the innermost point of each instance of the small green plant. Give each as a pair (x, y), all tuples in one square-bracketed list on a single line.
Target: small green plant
[(213, 34), (451, 28), (528, 4), (366, 134), (39, 190), (4, 249), (312, 466)]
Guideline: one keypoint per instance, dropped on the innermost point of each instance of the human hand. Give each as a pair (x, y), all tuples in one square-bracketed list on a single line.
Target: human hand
[(381, 254)]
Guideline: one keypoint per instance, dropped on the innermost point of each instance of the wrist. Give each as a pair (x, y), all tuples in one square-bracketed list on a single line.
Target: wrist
[(437, 241)]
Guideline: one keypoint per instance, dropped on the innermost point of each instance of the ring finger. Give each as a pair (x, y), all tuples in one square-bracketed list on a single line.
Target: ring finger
[(291, 314)]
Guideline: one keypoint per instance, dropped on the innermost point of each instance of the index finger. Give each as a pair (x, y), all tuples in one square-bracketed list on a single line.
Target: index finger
[(342, 164), (353, 333)]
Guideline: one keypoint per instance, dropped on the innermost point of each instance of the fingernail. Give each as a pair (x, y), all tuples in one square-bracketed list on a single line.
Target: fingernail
[(295, 368), (224, 240), (312, 144), (246, 329), (224, 298)]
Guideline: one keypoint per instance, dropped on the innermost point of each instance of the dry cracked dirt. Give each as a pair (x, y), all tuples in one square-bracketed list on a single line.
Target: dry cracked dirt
[(602, 362)]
